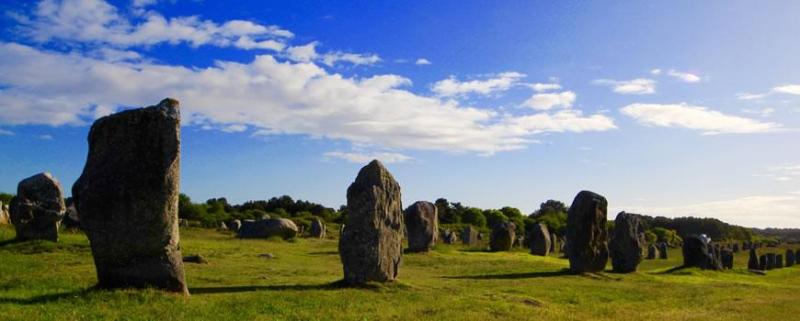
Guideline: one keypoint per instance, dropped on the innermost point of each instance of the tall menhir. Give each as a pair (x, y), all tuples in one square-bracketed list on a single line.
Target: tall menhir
[(127, 197)]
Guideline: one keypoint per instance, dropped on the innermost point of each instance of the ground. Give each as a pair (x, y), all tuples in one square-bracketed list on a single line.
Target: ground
[(52, 281)]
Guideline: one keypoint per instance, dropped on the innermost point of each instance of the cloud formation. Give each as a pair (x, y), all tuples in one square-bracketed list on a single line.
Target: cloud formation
[(362, 158), (422, 61), (695, 117), (452, 87), (268, 96), (639, 86), (551, 100), (684, 76)]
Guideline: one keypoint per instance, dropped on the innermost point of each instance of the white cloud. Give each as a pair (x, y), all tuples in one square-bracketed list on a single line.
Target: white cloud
[(5, 132), (787, 89), (363, 158), (143, 3), (96, 21), (695, 117), (550, 100), (45, 137), (422, 61), (543, 87), (269, 96), (684, 76), (639, 86), (234, 128), (655, 72), (782, 173), (308, 53), (751, 211), (764, 112), (452, 87), (749, 96)]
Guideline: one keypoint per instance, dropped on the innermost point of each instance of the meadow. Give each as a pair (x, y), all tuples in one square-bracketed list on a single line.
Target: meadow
[(53, 281)]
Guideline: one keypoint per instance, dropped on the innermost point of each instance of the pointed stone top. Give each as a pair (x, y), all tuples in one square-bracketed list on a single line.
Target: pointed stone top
[(374, 172), (170, 106)]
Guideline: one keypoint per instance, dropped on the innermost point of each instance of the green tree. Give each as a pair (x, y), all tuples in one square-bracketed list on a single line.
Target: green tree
[(474, 216), (494, 217), (511, 212)]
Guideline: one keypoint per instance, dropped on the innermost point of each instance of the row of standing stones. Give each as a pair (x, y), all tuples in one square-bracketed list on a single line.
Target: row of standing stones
[(127, 197)]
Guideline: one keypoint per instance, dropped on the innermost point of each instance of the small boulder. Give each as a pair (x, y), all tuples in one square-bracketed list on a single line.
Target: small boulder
[(37, 209), (421, 225), (540, 240), (274, 227), (318, 229), (469, 235), (502, 237), (726, 258), (662, 251), (652, 252), (627, 243), (4, 216), (778, 261)]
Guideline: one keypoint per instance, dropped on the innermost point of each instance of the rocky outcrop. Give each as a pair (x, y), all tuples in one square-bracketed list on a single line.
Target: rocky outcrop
[(539, 239), (371, 243), (587, 235), (422, 226), (127, 197), (37, 209), (627, 243)]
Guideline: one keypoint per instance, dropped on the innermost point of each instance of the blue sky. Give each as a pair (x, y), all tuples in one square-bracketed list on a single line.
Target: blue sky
[(668, 108)]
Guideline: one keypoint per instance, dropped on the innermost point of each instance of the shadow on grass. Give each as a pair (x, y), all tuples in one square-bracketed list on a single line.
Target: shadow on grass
[(9, 242), (513, 276), (673, 270), (324, 253), (295, 287), (47, 298)]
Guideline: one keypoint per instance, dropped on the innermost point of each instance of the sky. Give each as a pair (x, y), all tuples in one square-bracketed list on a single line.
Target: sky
[(673, 108)]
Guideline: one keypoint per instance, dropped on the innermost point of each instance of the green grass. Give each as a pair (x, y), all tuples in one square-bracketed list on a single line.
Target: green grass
[(52, 281)]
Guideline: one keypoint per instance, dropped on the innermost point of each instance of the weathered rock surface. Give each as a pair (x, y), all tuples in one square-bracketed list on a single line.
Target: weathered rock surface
[(696, 253), (318, 229), (586, 233), (752, 261), (262, 229), (555, 247), (502, 237), (449, 237), (627, 243), (790, 258), (371, 242), (762, 262), (662, 251), (127, 197), (778, 261), (235, 225), (37, 209), (469, 235), (422, 226), (539, 240), (771, 261)]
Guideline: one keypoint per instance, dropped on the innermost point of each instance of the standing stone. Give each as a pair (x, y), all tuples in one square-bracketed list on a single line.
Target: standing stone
[(652, 252), (469, 235), (770, 261), (663, 251), (235, 225), (627, 243), (752, 261), (762, 261), (317, 229), (4, 216), (726, 257), (502, 237), (696, 253), (540, 242), (127, 197), (372, 238), (421, 225), (586, 233), (38, 208), (449, 237), (554, 244), (735, 247), (790, 258), (778, 261), (263, 229)]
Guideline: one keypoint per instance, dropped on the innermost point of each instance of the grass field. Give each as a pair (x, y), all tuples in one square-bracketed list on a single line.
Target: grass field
[(52, 281)]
